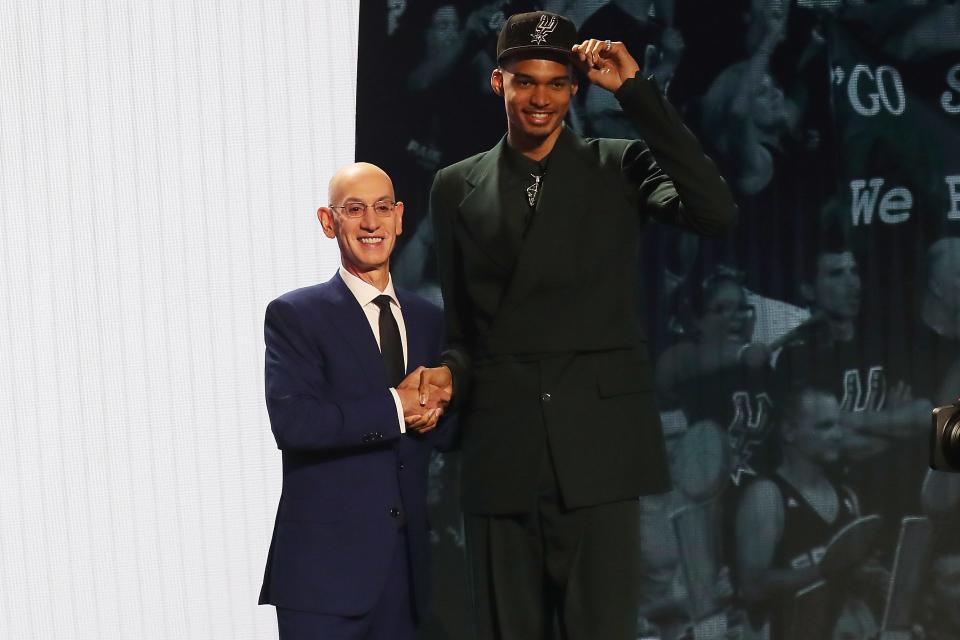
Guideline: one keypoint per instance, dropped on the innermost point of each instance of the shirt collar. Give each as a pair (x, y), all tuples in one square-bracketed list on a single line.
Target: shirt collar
[(521, 165), (365, 292)]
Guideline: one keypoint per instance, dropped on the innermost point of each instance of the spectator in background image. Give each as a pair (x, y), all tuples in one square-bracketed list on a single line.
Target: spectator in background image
[(839, 350), (933, 362), (717, 378), (744, 110), (787, 522), (836, 349), (747, 114), (715, 373)]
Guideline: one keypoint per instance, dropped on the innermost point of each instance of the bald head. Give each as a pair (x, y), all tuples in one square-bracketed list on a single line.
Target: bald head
[(358, 175), (365, 218)]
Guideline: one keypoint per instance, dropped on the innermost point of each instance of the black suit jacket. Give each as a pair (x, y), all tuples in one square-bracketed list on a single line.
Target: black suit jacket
[(546, 343)]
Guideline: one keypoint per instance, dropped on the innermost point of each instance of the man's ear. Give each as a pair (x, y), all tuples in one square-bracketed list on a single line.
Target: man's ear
[(398, 211), (496, 81), (325, 216)]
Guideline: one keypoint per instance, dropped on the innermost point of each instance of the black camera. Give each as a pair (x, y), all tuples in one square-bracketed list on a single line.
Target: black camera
[(945, 438)]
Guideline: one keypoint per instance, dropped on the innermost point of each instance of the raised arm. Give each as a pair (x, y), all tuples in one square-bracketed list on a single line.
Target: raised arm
[(679, 185)]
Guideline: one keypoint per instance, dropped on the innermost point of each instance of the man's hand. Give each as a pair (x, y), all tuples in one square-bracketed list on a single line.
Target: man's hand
[(850, 546), (606, 64), (424, 393), (420, 418), (423, 379)]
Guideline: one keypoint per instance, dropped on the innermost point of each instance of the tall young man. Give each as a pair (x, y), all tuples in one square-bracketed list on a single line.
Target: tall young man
[(538, 243)]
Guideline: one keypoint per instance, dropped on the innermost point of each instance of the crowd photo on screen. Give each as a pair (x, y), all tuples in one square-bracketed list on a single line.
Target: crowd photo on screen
[(798, 357)]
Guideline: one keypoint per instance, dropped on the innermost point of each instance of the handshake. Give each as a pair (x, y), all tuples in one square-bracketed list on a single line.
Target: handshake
[(424, 393)]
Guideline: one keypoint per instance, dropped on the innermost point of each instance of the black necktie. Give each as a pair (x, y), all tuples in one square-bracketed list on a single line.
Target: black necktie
[(390, 346)]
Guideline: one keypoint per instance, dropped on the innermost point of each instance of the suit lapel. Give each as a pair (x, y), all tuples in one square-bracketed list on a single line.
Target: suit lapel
[(481, 213), (346, 315), (562, 209)]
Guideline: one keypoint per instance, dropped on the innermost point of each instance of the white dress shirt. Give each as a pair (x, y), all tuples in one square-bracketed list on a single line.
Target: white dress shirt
[(365, 293)]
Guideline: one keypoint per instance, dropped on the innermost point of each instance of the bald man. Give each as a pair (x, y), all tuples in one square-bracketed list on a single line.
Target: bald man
[(933, 355), (348, 556)]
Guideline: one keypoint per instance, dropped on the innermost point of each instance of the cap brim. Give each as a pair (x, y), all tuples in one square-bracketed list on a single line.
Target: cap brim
[(537, 51)]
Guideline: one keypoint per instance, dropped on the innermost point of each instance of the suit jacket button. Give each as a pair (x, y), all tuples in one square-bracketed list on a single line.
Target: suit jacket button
[(395, 512), (545, 397), (401, 466)]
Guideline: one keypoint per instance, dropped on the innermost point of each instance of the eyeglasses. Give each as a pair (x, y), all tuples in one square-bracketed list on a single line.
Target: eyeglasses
[(356, 209)]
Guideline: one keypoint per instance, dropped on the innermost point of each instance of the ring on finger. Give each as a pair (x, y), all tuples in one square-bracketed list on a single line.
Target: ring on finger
[(607, 45)]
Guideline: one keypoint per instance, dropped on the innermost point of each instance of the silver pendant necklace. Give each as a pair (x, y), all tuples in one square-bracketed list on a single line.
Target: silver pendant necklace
[(533, 190)]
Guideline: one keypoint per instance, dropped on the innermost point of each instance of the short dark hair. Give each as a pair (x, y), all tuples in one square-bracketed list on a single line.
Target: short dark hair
[(689, 300), (831, 239)]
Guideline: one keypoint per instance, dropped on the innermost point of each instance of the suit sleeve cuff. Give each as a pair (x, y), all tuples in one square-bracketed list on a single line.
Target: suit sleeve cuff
[(396, 400)]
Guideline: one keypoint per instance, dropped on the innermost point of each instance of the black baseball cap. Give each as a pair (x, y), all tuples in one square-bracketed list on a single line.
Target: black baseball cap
[(536, 32)]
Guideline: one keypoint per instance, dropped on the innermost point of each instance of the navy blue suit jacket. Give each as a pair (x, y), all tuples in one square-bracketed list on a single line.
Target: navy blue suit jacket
[(350, 478)]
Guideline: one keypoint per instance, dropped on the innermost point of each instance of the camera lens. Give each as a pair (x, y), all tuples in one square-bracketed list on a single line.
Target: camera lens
[(950, 441)]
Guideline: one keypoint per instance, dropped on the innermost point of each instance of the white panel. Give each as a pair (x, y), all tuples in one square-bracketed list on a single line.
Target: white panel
[(161, 163)]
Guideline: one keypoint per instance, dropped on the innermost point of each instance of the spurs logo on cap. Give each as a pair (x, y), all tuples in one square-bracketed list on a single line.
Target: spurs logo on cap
[(545, 27)]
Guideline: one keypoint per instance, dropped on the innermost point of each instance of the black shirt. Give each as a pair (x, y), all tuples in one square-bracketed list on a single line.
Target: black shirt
[(737, 400), (925, 361), (855, 370), (522, 170), (804, 540)]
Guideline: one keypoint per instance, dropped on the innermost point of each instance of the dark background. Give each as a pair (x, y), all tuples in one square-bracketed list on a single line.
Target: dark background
[(837, 124)]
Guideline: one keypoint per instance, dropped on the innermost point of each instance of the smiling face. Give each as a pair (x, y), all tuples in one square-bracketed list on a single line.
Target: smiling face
[(536, 94), (726, 315), (367, 241)]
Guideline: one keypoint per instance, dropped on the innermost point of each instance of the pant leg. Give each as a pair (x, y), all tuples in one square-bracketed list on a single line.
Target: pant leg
[(577, 567), (600, 550), (592, 564), (505, 559), (393, 617), (306, 625)]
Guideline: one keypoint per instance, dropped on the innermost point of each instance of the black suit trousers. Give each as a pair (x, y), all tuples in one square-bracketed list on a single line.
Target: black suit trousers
[(553, 572)]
